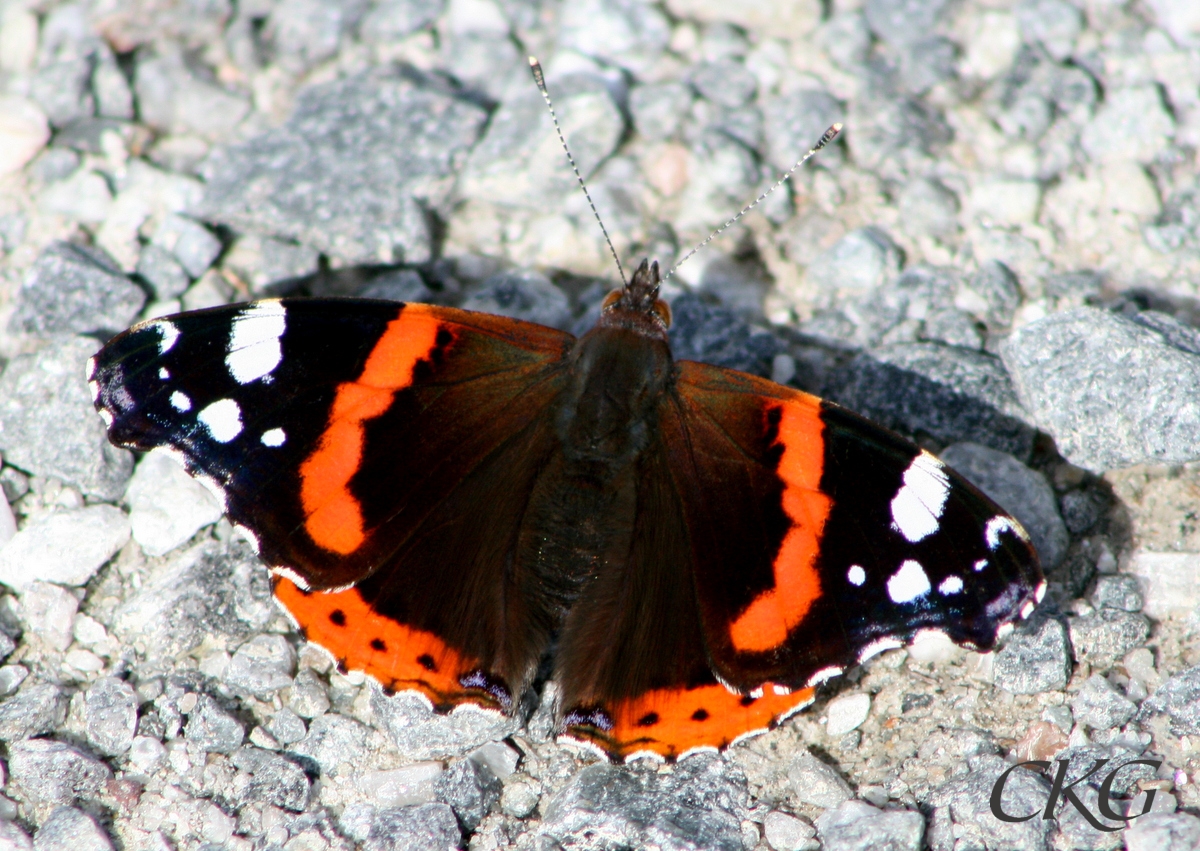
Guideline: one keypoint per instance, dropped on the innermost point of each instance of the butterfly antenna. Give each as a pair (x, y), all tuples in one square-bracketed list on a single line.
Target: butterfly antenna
[(826, 137), (540, 79)]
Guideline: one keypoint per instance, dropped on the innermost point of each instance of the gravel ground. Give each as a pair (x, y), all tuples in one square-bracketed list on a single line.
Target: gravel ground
[(1000, 257)]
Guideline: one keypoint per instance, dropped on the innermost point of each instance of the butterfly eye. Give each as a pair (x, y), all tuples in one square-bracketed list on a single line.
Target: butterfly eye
[(611, 299), (664, 312)]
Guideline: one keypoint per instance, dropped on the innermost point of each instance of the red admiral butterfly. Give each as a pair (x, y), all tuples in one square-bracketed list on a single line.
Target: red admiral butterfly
[(445, 497)]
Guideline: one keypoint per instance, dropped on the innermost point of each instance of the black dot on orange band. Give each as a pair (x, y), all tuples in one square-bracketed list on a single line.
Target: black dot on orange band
[(443, 338), (337, 617), (648, 720), (426, 662), (377, 644), (700, 715), (747, 700)]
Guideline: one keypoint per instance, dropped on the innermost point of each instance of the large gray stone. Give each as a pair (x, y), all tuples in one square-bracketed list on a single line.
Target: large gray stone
[(353, 172), (48, 425), (1179, 699), (75, 290), (1112, 392)]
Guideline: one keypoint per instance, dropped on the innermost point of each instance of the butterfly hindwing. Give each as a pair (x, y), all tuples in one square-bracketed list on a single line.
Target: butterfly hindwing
[(355, 441)]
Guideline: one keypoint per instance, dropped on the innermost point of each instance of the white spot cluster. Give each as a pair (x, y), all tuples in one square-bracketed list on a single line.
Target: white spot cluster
[(223, 419), (167, 335), (273, 437), (950, 585), (908, 583), (254, 347), (856, 575), (917, 506), (1000, 524), (180, 401)]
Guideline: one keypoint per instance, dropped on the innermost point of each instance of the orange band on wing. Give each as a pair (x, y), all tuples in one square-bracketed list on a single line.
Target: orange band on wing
[(400, 657), (766, 621), (333, 517), (670, 722)]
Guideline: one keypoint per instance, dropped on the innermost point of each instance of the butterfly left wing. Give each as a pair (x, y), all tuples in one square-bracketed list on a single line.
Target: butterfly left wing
[(807, 539)]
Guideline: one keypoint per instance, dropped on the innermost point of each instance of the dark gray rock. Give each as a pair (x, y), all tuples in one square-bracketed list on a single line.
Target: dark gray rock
[(110, 710), (212, 729), (522, 294), (172, 98), (69, 829), (1082, 509), (471, 790), (405, 285), (857, 826), (1108, 634), (62, 89), (1117, 591), (902, 22), (75, 290), (1035, 658), (928, 207), (425, 827), (48, 425), (309, 697), (162, 271), (1179, 699), (1112, 392), (658, 109), (353, 171), (895, 136), (948, 392), (287, 727), (854, 266), (54, 773), (716, 335), (1076, 833), (1022, 492), (700, 804), (1081, 758), (962, 815), (36, 709), (275, 779), (1101, 706), (1164, 832)]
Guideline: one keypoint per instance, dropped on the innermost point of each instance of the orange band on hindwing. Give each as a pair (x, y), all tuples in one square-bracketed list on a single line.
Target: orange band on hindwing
[(333, 516), (765, 623)]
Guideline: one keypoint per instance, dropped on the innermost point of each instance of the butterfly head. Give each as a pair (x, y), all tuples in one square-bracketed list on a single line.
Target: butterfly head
[(638, 300)]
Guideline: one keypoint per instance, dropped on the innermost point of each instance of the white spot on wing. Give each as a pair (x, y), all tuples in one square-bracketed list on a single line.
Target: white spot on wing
[(223, 419), (825, 674), (918, 504), (981, 564), (107, 417), (1004, 631), (856, 575), (878, 646), (249, 536), (254, 348), (180, 401), (163, 373), (908, 583), (167, 335), (287, 573), (998, 524), (1040, 592), (273, 437), (1027, 609), (950, 585)]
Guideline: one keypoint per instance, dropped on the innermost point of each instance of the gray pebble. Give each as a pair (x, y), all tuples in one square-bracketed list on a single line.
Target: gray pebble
[(794, 121), (726, 83), (425, 827), (857, 826), (1164, 832), (50, 772), (305, 33), (962, 809), (166, 505), (262, 666), (405, 285), (471, 789), (71, 289), (192, 244), (212, 729), (36, 709), (12, 838), (785, 832), (814, 782), (1108, 634), (69, 829), (1113, 393), (658, 109), (1100, 706), (48, 614), (162, 271), (11, 677), (1055, 24), (61, 89), (927, 62), (310, 697), (948, 392), (110, 711), (1131, 124), (114, 98), (173, 99), (364, 145), (627, 34), (1017, 489), (1117, 591), (928, 207), (608, 805), (1081, 509), (996, 287), (65, 547), (1179, 699), (48, 425), (391, 20), (419, 733), (275, 780), (855, 265), (522, 294), (846, 38), (287, 727), (333, 741), (1035, 658), (901, 22), (519, 799)]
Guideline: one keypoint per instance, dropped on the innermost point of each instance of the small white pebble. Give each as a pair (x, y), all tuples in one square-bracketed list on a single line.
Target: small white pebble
[(847, 713)]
